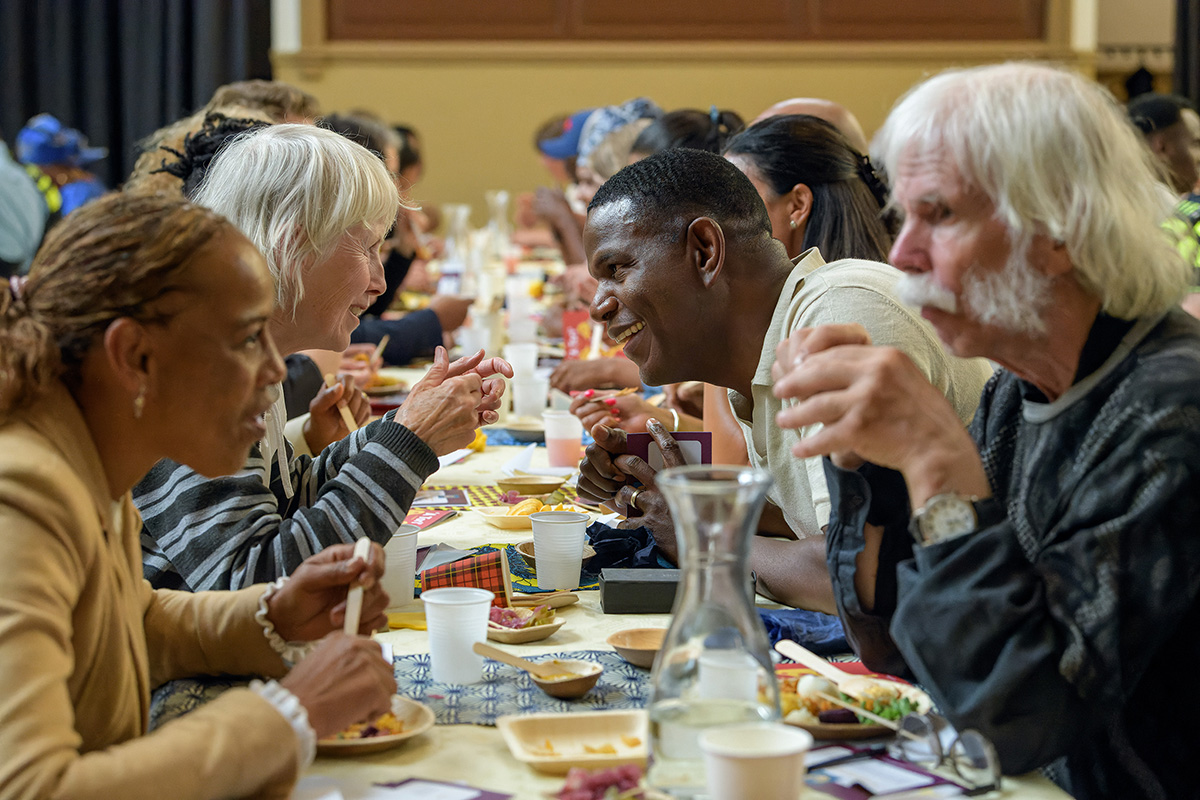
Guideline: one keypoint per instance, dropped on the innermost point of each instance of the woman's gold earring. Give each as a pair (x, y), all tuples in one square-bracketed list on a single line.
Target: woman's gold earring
[(139, 403)]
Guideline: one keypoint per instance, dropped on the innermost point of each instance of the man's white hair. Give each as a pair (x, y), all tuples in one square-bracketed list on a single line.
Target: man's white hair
[(1057, 156), (294, 191)]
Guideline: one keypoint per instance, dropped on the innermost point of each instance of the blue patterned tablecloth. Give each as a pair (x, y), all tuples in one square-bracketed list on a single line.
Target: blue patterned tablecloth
[(504, 690), (508, 690)]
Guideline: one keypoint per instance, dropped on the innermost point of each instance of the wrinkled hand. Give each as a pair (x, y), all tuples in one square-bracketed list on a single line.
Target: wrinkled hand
[(343, 681), (629, 412), (312, 602), (325, 424), (874, 405), (600, 373), (446, 406)]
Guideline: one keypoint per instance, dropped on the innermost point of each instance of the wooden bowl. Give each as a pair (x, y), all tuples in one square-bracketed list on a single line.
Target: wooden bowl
[(570, 688), (530, 485), (526, 550), (638, 646), (499, 633)]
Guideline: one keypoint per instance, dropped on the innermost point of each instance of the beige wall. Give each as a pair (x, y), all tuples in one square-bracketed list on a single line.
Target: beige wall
[(477, 105)]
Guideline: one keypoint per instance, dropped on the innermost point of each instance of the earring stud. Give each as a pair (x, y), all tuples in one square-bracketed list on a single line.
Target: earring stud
[(792, 224)]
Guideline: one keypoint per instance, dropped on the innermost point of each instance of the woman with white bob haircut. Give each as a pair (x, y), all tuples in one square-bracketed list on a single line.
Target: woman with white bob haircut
[(318, 207)]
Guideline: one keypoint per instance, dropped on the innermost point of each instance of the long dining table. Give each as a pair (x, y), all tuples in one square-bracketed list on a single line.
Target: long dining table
[(476, 754)]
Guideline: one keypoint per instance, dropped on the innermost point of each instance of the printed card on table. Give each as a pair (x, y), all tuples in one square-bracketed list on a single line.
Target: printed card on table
[(441, 497), (425, 519), (696, 447)]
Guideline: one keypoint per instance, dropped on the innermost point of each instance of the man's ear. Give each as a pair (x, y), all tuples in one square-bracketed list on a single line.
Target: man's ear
[(127, 348), (706, 249)]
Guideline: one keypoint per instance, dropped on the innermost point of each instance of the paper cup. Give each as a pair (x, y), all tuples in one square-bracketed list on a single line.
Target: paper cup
[(564, 438), (400, 558), (529, 396), (456, 618), (755, 761), (558, 538), (523, 357)]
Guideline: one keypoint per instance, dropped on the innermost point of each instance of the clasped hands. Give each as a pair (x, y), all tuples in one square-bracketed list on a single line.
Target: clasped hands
[(446, 406)]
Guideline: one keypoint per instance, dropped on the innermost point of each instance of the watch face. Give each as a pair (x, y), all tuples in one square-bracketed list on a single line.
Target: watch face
[(947, 515)]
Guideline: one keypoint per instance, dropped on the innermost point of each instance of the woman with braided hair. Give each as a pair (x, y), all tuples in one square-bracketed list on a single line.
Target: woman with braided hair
[(142, 334)]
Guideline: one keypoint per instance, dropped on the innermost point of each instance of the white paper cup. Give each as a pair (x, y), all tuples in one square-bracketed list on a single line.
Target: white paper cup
[(755, 761), (523, 357), (400, 558), (529, 396), (558, 538), (457, 618), (564, 438)]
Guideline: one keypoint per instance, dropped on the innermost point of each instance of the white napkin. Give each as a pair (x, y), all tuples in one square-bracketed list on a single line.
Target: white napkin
[(453, 457)]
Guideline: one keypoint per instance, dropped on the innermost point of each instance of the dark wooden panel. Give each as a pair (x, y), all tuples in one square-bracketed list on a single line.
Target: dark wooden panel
[(685, 20), (928, 19), (447, 19)]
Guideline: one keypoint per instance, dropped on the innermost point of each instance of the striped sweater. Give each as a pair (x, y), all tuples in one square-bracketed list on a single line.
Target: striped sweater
[(226, 533)]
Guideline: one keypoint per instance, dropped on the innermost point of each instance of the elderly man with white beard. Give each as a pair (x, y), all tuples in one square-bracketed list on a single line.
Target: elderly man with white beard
[(1038, 573)]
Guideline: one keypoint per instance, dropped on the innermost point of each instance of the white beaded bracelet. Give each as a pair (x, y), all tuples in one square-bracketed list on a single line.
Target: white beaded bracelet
[(291, 652), (288, 705)]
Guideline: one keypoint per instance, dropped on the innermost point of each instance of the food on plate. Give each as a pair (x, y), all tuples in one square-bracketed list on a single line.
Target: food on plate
[(519, 618), (377, 381), (387, 725), (801, 704), (531, 505), (598, 784)]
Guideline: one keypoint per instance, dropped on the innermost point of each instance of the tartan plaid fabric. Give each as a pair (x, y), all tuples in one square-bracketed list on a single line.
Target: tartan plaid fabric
[(485, 571)]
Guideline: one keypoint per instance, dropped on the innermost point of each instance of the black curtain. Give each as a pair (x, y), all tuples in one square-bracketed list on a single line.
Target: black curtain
[(1187, 49), (120, 69)]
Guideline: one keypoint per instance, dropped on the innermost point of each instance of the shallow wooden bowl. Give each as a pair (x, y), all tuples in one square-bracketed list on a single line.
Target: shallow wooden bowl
[(638, 646)]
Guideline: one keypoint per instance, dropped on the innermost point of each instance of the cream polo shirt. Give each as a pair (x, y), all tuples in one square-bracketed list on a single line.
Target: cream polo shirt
[(816, 293)]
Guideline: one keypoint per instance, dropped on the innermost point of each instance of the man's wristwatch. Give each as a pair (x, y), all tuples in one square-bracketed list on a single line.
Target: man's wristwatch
[(944, 516)]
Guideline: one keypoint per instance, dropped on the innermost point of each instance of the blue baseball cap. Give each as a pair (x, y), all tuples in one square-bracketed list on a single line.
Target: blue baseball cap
[(566, 144), (45, 140)]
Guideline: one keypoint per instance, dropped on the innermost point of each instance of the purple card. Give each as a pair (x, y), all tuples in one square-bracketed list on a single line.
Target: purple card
[(422, 789), (696, 447)]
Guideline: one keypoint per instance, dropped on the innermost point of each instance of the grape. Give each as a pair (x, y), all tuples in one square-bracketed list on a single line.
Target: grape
[(584, 784)]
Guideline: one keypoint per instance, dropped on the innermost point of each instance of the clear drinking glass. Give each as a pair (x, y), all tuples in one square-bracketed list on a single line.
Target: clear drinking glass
[(715, 667)]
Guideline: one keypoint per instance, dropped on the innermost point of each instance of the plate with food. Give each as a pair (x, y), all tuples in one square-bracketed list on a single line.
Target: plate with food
[(553, 743), (407, 719), (516, 516), (882, 695), (522, 625), (383, 384)]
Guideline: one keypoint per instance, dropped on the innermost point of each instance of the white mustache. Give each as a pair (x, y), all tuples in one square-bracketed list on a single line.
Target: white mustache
[(920, 291)]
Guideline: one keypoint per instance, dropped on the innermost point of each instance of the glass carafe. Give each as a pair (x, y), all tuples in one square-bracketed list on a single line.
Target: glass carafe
[(715, 666)]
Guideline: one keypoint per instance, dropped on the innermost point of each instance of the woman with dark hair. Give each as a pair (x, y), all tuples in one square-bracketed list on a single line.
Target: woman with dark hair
[(688, 127), (819, 191)]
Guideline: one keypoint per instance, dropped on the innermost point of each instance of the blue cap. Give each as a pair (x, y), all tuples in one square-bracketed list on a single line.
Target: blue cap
[(566, 144), (45, 140)]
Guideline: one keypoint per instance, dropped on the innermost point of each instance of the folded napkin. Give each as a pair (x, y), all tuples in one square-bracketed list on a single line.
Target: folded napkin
[(617, 547), (519, 465)]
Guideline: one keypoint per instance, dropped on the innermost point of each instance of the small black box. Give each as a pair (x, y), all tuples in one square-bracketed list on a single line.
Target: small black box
[(638, 591)]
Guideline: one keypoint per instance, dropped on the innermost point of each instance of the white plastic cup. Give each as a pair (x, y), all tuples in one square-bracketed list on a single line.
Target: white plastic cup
[(755, 761), (558, 538), (529, 396), (523, 357), (400, 559), (457, 618), (564, 438), (728, 675)]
